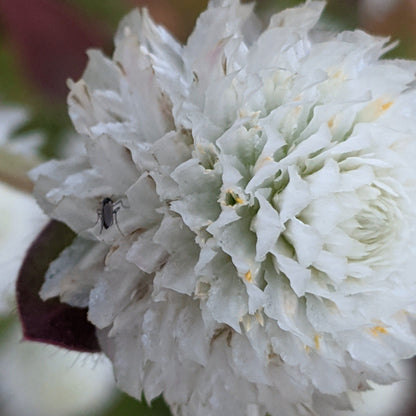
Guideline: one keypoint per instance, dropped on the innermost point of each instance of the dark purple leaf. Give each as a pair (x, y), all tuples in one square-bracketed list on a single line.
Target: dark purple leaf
[(51, 321)]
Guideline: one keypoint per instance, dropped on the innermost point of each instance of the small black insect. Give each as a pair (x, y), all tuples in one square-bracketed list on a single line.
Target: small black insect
[(108, 213)]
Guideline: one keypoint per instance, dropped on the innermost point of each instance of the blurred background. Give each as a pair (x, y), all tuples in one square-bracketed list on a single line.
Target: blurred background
[(42, 44)]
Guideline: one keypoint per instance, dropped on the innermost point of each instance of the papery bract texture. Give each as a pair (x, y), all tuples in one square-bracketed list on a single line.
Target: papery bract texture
[(261, 254)]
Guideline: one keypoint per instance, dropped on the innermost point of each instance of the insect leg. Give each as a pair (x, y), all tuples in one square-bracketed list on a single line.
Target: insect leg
[(99, 214), (115, 220), (120, 202), (100, 217)]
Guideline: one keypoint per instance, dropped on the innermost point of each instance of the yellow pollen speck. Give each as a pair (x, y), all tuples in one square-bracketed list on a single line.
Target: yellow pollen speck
[(377, 330), (317, 341), (249, 277), (386, 106), (331, 122), (375, 109), (238, 200), (231, 198), (307, 348)]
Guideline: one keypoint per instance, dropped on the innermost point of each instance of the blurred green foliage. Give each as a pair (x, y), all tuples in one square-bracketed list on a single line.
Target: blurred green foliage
[(6, 322), (126, 406), (108, 11), (15, 89)]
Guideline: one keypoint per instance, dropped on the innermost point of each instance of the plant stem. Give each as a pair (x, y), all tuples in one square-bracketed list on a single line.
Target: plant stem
[(14, 168)]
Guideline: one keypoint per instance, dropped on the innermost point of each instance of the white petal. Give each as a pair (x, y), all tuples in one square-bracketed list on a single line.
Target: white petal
[(267, 226)]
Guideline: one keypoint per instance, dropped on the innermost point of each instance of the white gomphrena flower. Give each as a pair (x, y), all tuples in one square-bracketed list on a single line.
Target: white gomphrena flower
[(264, 187), (39, 380)]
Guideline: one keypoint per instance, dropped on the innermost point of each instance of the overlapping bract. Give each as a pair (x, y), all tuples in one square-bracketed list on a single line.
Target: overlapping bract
[(267, 180)]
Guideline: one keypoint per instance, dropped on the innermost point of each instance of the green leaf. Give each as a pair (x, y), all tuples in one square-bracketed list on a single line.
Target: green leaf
[(127, 406)]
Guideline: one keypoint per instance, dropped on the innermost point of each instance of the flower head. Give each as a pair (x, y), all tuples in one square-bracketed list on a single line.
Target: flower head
[(266, 187)]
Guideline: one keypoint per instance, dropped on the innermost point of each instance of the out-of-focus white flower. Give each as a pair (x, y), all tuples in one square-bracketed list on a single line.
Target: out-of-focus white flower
[(20, 217), (12, 118), (264, 189), (36, 380), (20, 221), (39, 380)]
